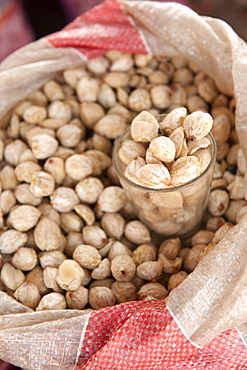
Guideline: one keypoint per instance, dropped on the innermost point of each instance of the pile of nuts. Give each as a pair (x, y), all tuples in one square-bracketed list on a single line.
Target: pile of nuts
[(69, 236)]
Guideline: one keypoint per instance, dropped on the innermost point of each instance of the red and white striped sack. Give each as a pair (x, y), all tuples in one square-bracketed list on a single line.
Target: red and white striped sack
[(201, 325)]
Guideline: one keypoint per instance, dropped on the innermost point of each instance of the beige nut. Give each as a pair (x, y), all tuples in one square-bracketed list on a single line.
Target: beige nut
[(218, 202), (123, 268), (214, 223), (163, 148), (24, 217), (47, 234), (149, 270), (130, 150), (87, 256), (133, 167), (170, 248), (7, 201), (43, 146), (150, 158), (170, 266), (113, 224), (89, 189), (34, 114), (73, 240), (11, 240), (47, 210), (64, 199), (13, 151), (240, 213), (101, 143), (25, 259), (36, 277), (152, 291), (144, 127), (137, 232), (139, 100), (53, 90), (124, 291), (52, 301), (51, 258), (191, 260), (49, 275), (77, 299), (70, 135), (72, 75), (194, 145), (94, 235), (103, 270), (111, 199), (23, 195), (98, 65), (202, 237), (101, 296), (196, 103), (8, 178), (117, 248), (197, 125), (233, 209), (177, 136), (55, 166), (70, 275), (144, 253), (176, 279), (87, 89), (107, 96), (28, 294), (91, 113), (154, 176), (110, 126), (79, 166), (173, 120), (24, 170), (11, 277), (161, 96), (42, 184), (221, 129), (86, 213), (184, 170)]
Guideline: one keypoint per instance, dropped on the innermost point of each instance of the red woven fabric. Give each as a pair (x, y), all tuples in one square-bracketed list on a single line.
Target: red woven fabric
[(142, 336), (105, 27)]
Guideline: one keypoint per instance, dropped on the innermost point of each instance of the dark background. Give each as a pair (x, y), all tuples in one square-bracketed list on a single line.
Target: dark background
[(47, 16)]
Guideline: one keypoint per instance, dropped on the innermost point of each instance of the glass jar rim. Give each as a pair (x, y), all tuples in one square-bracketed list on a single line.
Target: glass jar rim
[(163, 190)]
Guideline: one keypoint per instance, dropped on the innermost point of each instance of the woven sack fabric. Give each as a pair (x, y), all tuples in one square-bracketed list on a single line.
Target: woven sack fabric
[(138, 335), (135, 335), (144, 336)]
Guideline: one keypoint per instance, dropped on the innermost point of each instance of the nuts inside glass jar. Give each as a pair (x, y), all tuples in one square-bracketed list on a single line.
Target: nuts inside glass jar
[(172, 189)]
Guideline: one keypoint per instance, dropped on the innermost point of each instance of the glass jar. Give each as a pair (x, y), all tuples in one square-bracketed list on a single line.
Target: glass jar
[(173, 211)]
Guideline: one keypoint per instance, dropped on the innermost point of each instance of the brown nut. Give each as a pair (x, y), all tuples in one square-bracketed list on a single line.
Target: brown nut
[(170, 266)]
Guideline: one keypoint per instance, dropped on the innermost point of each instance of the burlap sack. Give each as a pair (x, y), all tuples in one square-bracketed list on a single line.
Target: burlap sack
[(195, 328)]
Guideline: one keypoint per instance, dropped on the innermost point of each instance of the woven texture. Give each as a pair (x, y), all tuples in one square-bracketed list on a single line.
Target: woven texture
[(144, 336), (105, 25), (141, 335)]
